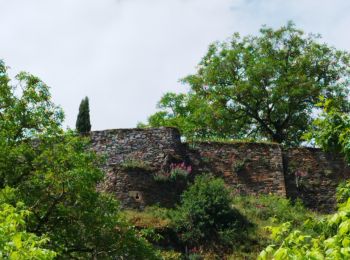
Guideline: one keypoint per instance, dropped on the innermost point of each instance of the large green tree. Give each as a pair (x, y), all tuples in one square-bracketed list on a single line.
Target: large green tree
[(263, 87), (83, 124), (54, 174)]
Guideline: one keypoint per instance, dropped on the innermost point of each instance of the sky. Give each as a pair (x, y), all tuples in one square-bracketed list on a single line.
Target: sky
[(125, 54)]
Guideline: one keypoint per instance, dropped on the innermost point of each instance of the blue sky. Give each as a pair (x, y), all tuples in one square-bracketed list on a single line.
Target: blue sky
[(124, 54)]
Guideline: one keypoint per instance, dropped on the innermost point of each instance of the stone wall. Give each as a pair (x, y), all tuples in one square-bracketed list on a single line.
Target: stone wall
[(313, 176), (154, 146), (136, 188), (134, 156), (252, 168)]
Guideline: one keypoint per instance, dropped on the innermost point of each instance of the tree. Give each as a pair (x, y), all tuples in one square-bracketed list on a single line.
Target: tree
[(262, 87), (55, 174), (83, 124), (193, 116)]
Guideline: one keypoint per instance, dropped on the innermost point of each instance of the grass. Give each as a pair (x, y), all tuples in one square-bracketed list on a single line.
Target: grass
[(150, 217), (272, 209), (131, 164)]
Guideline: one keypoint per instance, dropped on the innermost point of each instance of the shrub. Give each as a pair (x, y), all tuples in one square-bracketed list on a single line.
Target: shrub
[(205, 216)]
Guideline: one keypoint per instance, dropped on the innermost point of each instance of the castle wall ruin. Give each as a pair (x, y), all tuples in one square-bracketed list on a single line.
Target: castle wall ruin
[(134, 156)]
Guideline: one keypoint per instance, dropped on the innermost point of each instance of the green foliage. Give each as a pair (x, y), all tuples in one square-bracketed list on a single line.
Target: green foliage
[(55, 175), (206, 217), (328, 237), (265, 210), (130, 164), (150, 217), (263, 87), (271, 209), (171, 255), (161, 177), (261, 210), (15, 241), (83, 124), (190, 114), (331, 130)]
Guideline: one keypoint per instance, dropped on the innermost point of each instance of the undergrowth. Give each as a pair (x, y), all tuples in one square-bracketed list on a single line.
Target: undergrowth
[(150, 217), (261, 211)]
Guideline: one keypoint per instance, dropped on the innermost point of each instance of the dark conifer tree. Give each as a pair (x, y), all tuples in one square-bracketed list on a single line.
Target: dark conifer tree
[(83, 124)]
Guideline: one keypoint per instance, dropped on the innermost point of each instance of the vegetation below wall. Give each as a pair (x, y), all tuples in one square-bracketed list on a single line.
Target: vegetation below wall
[(163, 228)]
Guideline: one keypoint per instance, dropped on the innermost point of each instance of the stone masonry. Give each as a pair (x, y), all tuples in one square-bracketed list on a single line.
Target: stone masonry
[(134, 156)]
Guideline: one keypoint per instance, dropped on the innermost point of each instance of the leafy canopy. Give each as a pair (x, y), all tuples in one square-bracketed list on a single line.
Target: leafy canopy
[(263, 87), (55, 174), (15, 241)]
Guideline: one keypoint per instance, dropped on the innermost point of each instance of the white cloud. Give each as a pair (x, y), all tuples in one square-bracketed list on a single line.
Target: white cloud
[(124, 54)]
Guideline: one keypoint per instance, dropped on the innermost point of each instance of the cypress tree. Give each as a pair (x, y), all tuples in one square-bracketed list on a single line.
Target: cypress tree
[(83, 124)]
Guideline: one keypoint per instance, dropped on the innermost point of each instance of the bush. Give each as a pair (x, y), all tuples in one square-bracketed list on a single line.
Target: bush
[(205, 216)]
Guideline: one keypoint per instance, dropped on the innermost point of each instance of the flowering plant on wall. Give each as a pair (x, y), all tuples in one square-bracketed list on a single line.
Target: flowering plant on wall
[(177, 171)]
